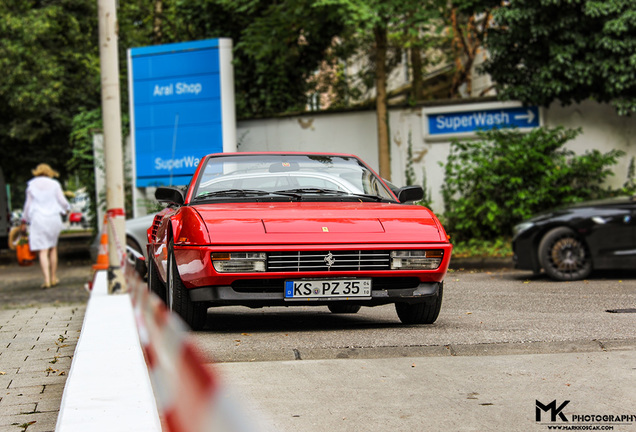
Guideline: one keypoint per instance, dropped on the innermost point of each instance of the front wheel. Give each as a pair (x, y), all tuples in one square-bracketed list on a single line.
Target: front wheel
[(420, 313), (193, 313), (564, 256)]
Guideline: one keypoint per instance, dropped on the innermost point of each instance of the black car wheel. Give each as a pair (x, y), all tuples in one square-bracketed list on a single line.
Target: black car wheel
[(343, 308), (154, 283), (564, 256), (193, 313), (134, 255), (420, 313)]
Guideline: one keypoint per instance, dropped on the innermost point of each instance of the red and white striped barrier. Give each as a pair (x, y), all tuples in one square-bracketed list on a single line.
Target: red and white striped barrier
[(187, 389), (135, 368)]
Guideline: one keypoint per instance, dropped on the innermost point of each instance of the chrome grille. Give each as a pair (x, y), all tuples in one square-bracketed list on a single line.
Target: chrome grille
[(324, 261)]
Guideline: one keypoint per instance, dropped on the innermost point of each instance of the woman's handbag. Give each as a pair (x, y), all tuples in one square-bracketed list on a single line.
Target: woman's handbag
[(19, 239), (24, 254)]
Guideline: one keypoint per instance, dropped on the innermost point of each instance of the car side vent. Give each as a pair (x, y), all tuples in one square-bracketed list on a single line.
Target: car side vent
[(155, 226), (300, 261)]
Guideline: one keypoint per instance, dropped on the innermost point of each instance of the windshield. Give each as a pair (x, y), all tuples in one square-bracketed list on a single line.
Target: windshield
[(255, 175)]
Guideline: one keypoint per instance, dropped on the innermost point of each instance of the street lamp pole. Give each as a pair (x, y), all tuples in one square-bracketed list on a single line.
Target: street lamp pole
[(113, 157)]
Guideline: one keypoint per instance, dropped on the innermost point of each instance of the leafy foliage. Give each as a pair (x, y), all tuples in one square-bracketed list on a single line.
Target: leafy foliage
[(277, 45), (280, 49), (468, 22), (629, 187), (81, 162), (413, 25), (49, 62), (567, 50), (506, 176), (499, 247)]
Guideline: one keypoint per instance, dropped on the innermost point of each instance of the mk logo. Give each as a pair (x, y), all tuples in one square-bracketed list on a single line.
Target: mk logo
[(554, 411)]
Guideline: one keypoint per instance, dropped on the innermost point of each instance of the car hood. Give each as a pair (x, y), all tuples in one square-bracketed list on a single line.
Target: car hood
[(607, 202), (584, 206), (319, 223)]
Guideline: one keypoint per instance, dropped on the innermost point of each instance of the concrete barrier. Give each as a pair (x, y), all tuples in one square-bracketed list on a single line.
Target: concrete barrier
[(108, 387)]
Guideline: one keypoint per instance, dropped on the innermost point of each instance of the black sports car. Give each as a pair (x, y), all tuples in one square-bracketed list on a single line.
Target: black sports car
[(570, 242)]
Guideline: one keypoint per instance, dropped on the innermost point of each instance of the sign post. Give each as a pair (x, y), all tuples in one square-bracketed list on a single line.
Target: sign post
[(182, 107)]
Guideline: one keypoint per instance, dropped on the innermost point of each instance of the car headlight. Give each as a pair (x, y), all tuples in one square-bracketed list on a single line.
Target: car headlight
[(416, 259), (239, 262), (523, 226)]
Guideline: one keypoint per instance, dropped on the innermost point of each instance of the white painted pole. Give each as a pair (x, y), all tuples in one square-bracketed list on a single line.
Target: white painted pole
[(114, 166)]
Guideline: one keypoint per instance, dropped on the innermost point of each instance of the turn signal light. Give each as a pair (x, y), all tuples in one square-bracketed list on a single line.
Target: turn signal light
[(239, 262), (428, 259)]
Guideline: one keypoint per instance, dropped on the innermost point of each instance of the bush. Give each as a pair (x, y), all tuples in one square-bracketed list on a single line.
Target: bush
[(505, 176)]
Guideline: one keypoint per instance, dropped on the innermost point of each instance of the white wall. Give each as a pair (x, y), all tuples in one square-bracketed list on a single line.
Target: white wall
[(602, 130), (356, 133)]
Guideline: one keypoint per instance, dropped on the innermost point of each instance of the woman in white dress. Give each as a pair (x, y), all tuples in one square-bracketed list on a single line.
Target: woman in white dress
[(43, 209)]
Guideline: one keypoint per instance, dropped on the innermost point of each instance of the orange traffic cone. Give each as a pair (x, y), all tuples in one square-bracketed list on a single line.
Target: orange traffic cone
[(102, 256)]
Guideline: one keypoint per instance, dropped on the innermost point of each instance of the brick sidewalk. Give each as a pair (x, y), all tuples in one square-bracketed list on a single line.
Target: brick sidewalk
[(36, 349), (39, 330)]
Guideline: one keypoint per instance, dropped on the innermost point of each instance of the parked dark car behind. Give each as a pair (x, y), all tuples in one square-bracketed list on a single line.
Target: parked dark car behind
[(570, 242)]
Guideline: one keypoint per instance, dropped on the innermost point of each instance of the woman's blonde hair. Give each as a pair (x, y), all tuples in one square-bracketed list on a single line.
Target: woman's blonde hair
[(45, 170)]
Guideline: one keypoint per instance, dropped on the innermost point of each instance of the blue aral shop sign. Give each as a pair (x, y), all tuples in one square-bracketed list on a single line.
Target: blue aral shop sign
[(471, 121), (182, 108)]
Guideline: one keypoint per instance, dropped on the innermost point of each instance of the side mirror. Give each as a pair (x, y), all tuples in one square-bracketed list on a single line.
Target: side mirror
[(170, 195), (410, 193)]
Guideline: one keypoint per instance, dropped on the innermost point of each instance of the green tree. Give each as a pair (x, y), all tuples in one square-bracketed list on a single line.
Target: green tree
[(280, 49), (382, 29), (565, 50), (468, 21), (50, 67), (277, 45)]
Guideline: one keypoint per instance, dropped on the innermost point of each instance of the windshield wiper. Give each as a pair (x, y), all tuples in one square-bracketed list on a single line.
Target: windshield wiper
[(298, 193), (231, 192), (309, 191)]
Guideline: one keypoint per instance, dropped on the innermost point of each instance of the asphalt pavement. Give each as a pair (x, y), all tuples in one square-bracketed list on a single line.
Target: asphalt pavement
[(440, 393), (506, 346)]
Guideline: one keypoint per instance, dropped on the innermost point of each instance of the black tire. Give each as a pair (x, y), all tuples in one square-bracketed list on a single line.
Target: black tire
[(135, 261), (193, 313), (421, 313), (564, 256), (343, 308), (154, 283), (132, 243)]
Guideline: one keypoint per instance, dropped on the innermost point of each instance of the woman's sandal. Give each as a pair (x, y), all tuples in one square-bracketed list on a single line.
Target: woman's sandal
[(55, 282), (45, 286)]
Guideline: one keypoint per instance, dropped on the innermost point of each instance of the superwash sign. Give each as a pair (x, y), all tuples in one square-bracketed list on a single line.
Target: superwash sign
[(182, 108), (461, 122)]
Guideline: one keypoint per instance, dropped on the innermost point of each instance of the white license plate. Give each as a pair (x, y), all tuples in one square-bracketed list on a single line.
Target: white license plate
[(327, 288)]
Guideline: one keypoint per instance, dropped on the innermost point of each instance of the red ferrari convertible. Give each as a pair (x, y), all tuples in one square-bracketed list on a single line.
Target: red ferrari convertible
[(287, 229)]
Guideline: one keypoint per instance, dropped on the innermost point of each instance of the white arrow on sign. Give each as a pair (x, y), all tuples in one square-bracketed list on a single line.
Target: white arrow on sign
[(529, 116)]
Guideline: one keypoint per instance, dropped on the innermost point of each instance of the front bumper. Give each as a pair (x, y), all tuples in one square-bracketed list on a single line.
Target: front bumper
[(257, 296), (525, 254)]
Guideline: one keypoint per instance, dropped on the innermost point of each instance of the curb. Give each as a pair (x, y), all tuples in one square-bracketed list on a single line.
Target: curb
[(108, 385)]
